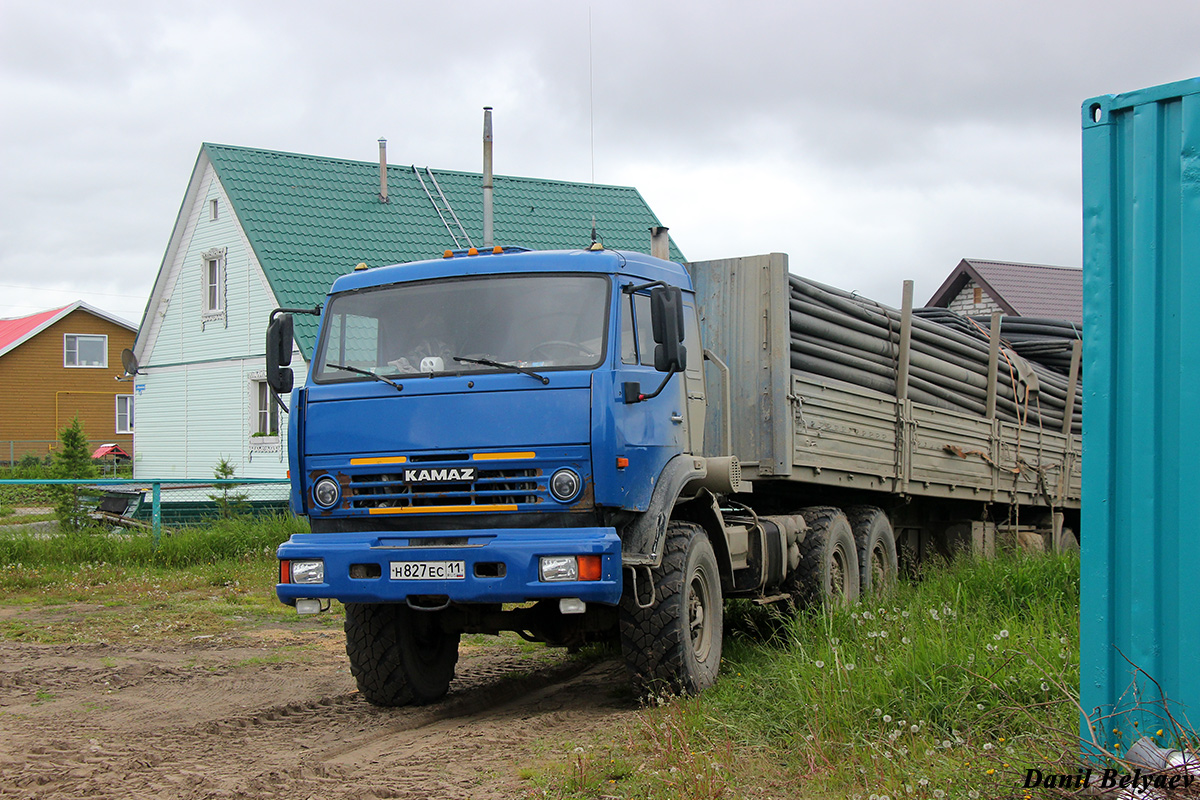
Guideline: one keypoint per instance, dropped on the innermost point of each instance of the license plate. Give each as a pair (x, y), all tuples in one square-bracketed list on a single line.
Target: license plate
[(429, 570)]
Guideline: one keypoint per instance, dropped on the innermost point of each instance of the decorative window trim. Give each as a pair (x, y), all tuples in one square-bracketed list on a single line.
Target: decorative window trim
[(76, 336), (129, 414), (214, 209), (210, 311), (260, 440)]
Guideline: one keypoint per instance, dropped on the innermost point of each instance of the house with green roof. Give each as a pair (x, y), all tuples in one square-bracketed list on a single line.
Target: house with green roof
[(260, 229)]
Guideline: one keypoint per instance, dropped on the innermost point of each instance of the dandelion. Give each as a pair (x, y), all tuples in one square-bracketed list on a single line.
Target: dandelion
[(1004, 634), (819, 664), (850, 666), (887, 717), (1159, 732), (905, 640), (933, 613), (938, 793), (923, 782), (979, 706), (914, 728), (904, 614), (989, 746), (1044, 686), (878, 711)]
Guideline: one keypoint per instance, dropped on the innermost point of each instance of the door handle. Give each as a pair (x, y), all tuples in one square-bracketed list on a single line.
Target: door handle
[(677, 418)]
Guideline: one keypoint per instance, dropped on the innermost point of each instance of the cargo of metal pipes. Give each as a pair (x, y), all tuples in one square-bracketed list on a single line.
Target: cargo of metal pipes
[(948, 426)]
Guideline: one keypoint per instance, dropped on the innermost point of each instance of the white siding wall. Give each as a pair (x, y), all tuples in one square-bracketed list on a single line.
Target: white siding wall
[(195, 399)]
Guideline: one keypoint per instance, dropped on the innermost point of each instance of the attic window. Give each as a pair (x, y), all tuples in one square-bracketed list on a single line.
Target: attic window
[(212, 283), (213, 208), (978, 295)]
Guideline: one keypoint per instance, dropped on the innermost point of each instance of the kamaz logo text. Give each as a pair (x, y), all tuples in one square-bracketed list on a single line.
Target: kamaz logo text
[(436, 475)]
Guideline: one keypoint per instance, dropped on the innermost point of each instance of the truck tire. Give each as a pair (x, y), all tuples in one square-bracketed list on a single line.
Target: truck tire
[(828, 572), (876, 545), (399, 656), (1067, 541), (674, 646)]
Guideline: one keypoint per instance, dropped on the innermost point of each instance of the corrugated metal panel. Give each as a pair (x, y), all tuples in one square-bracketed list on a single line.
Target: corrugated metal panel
[(1141, 541)]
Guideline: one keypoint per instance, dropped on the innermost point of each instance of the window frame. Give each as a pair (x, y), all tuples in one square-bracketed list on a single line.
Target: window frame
[(129, 413), (213, 283), (266, 420), (77, 336)]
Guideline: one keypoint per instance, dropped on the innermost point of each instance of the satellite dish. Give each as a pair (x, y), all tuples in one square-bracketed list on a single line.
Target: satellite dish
[(129, 361)]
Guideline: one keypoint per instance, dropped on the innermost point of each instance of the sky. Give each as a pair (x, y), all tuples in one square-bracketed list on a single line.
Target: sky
[(872, 140)]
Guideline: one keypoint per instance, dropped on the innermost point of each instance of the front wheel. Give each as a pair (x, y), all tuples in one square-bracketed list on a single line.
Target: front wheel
[(675, 644), (399, 656)]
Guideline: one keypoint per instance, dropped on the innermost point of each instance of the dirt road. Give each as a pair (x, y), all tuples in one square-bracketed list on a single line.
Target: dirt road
[(273, 712)]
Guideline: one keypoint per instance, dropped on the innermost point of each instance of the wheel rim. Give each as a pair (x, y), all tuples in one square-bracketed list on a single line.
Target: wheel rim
[(837, 574), (700, 622)]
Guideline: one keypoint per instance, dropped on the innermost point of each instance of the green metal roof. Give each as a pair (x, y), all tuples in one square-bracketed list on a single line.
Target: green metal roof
[(311, 219)]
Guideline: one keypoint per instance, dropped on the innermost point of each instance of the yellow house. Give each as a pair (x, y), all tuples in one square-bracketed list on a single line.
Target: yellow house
[(55, 365)]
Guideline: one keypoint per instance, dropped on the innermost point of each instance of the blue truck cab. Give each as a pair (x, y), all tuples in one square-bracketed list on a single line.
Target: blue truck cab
[(491, 441)]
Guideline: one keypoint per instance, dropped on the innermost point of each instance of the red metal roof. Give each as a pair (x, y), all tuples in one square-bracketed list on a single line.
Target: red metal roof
[(14, 331)]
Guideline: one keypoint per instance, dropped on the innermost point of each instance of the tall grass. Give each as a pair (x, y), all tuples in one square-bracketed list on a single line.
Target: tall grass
[(950, 687), (232, 539)]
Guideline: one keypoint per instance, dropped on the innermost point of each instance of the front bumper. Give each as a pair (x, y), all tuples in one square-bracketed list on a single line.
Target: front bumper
[(518, 550)]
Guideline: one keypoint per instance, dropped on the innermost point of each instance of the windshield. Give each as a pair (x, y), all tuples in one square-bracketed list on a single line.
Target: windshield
[(536, 322)]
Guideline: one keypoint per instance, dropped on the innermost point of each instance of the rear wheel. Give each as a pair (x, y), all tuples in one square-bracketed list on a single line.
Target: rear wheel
[(675, 644), (399, 656), (828, 571), (876, 546)]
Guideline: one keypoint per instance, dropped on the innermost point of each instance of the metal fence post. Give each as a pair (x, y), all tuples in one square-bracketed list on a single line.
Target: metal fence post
[(156, 511)]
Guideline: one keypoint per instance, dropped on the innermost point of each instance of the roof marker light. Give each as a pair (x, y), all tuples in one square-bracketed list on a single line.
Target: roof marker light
[(448, 254), (359, 267), (474, 251), (497, 250)]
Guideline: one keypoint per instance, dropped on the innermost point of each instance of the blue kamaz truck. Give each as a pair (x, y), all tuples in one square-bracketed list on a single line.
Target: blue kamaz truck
[(595, 445)]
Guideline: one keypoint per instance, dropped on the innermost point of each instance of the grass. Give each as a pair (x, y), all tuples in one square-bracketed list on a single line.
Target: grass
[(99, 586), (949, 688)]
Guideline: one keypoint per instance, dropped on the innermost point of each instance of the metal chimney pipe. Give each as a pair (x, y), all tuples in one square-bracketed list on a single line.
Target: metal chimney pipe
[(660, 243), (383, 195), (487, 176)]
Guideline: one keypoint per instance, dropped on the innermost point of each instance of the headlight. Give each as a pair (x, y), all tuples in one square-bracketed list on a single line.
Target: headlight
[(308, 571), (565, 485), (326, 492), (559, 568)]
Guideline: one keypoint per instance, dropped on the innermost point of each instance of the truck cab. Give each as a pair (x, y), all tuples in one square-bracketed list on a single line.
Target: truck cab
[(478, 446)]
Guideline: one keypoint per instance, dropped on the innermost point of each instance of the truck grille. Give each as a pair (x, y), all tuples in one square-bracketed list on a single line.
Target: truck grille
[(498, 487)]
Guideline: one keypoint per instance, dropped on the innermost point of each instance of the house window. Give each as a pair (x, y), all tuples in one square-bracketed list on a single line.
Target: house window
[(212, 282), (124, 413), (85, 350), (978, 295), (213, 208), (266, 411)]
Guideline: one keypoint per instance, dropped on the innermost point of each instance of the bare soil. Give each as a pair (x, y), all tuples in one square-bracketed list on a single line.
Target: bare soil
[(273, 712)]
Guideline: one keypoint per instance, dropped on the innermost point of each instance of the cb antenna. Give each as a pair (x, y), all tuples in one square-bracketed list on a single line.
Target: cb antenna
[(592, 128)]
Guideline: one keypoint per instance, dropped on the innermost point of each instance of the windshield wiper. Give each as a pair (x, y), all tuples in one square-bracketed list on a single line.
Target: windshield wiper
[(366, 372), (487, 362)]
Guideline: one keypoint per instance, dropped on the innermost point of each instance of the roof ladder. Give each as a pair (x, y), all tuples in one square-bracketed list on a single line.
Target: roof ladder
[(443, 209)]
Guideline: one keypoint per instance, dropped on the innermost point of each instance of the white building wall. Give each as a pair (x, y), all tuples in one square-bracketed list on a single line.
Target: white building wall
[(196, 398), (964, 302)]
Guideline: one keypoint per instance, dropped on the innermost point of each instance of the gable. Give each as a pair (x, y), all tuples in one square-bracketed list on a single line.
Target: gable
[(180, 326), (309, 219)]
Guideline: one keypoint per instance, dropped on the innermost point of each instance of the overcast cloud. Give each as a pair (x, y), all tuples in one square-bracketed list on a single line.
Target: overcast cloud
[(873, 141)]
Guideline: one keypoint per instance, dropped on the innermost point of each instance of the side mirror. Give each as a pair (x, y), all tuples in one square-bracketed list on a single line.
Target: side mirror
[(666, 320), (279, 354)]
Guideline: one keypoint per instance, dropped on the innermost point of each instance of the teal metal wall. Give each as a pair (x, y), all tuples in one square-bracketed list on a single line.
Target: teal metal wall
[(1141, 423)]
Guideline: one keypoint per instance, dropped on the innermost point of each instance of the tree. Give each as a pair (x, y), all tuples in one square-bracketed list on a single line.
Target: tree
[(229, 503), (73, 460)]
